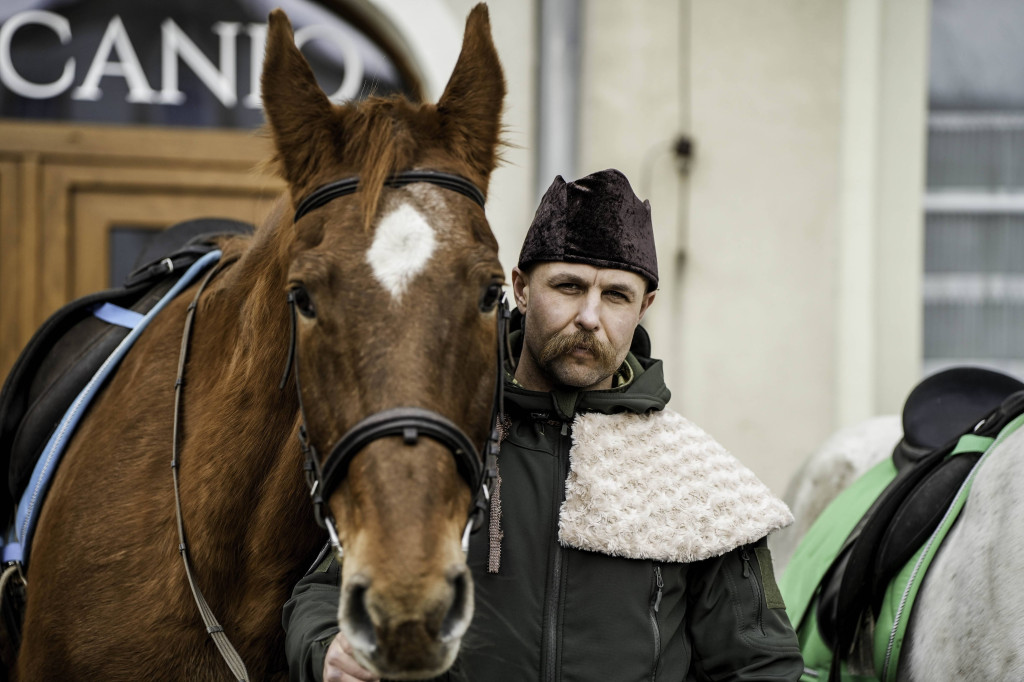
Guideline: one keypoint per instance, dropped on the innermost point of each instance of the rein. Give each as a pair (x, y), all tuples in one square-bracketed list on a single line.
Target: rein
[(410, 423), (213, 627)]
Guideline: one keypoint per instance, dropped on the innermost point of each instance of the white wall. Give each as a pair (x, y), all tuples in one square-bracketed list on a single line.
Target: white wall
[(632, 109), (758, 293), (790, 254), (801, 298)]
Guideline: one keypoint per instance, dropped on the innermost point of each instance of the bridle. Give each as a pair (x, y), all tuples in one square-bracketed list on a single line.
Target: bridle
[(479, 470)]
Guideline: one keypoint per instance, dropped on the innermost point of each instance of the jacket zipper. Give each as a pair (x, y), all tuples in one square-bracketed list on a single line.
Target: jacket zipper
[(745, 557), (553, 601), (659, 585)]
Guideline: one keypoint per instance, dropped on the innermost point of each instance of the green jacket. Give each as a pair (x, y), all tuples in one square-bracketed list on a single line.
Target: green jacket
[(569, 605)]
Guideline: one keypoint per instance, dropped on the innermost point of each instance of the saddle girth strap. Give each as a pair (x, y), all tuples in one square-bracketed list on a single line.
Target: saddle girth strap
[(213, 626)]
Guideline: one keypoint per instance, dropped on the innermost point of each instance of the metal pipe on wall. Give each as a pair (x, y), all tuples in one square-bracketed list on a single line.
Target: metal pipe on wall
[(558, 84)]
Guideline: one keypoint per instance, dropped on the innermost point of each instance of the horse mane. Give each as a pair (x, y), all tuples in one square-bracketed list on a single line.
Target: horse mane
[(383, 145)]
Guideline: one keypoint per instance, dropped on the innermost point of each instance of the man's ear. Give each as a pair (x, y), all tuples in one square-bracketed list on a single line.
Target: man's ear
[(520, 288), (646, 302)]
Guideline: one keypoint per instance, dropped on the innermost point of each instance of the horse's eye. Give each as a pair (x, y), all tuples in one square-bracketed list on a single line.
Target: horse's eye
[(490, 297), (301, 300)]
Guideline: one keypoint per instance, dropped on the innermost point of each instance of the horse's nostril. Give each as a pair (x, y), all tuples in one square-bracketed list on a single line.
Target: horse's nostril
[(456, 621), (355, 615)]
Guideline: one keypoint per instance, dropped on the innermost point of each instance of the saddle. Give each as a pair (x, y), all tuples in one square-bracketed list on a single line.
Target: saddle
[(66, 351), (937, 413)]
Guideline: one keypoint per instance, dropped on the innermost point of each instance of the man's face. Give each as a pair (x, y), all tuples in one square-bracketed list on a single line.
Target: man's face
[(579, 323)]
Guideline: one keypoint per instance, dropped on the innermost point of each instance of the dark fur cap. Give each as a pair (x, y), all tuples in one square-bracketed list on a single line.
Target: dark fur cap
[(597, 220)]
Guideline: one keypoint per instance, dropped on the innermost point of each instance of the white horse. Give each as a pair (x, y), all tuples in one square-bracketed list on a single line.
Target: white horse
[(968, 619), (846, 455)]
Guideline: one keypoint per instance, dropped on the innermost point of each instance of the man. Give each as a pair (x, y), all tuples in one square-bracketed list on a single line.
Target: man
[(624, 544)]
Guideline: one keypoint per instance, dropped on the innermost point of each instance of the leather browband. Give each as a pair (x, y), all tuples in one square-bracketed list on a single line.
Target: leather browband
[(340, 188)]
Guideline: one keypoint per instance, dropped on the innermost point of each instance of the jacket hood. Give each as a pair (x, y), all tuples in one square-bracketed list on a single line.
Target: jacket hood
[(646, 392)]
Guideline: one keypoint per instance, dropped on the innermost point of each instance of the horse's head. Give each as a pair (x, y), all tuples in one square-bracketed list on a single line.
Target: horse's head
[(394, 292)]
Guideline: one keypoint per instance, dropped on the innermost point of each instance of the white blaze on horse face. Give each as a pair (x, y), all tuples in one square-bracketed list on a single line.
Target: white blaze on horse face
[(402, 247)]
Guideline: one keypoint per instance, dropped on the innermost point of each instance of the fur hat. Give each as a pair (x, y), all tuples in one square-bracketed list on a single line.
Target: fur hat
[(597, 220)]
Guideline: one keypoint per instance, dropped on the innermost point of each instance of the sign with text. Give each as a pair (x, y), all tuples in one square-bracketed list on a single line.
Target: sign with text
[(189, 63)]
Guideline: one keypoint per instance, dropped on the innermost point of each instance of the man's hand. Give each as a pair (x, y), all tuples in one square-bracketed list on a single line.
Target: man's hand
[(339, 666)]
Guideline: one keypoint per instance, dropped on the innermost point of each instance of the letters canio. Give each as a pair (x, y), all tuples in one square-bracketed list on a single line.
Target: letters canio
[(116, 57)]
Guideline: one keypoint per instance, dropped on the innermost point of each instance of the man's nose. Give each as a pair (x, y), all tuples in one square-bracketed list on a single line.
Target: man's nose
[(588, 316)]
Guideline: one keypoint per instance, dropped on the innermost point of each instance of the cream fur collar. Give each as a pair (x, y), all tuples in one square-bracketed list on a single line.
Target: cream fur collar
[(656, 486)]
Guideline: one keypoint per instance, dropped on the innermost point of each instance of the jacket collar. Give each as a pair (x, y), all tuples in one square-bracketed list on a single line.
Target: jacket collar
[(646, 392)]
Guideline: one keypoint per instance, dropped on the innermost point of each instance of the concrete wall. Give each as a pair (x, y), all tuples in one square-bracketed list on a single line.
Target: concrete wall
[(633, 108)]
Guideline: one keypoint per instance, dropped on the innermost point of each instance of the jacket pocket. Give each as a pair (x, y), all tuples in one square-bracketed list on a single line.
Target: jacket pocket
[(750, 575)]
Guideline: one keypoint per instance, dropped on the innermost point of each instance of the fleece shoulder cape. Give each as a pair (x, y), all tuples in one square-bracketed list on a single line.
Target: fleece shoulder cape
[(656, 486)]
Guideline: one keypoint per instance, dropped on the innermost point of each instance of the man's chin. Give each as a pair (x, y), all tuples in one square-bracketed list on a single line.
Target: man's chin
[(573, 375)]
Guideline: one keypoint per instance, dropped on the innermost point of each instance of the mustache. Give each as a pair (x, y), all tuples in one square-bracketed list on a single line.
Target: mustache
[(566, 343)]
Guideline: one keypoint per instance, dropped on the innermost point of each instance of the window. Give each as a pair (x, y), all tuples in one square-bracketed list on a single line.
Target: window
[(974, 205)]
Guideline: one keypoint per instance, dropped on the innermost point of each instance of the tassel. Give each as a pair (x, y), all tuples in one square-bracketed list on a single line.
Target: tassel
[(494, 532)]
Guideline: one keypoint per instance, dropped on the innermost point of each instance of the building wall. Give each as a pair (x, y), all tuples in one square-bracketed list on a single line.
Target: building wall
[(757, 337), (633, 109), (790, 249), (790, 246)]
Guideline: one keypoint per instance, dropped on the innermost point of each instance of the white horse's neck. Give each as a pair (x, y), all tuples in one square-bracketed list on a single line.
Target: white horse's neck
[(968, 623), (838, 463)]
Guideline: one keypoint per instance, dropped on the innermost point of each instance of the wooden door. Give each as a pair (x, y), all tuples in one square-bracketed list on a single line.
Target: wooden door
[(68, 191)]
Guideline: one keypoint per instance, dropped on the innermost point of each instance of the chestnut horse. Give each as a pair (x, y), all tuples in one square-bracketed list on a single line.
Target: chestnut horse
[(393, 294)]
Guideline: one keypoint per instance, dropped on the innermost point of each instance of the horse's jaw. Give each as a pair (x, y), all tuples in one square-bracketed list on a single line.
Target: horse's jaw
[(414, 637)]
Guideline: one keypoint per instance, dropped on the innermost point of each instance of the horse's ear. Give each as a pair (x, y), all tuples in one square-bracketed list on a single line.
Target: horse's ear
[(297, 109), (471, 104)]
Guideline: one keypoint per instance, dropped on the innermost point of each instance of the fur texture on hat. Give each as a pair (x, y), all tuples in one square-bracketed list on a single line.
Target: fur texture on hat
[(597, 220)]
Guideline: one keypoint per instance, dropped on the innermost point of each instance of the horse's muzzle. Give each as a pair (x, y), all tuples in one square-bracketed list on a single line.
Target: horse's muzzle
[(407, 638)]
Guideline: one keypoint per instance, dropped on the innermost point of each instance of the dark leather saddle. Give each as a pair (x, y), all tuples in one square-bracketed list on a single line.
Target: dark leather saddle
[(68, 349), (940, 410)]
